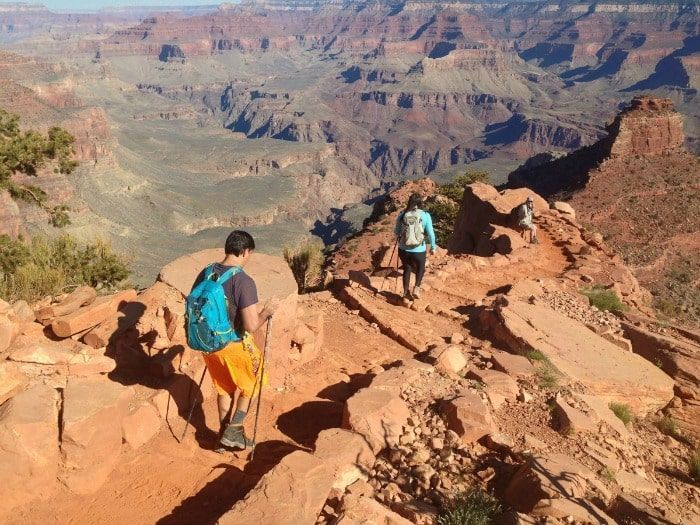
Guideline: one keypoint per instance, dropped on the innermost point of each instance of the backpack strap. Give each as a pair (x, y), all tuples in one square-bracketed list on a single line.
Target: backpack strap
[(209, 271), (229, 273)]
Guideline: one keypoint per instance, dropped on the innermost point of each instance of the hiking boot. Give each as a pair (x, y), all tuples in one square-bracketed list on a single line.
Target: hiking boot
[(416, 292), (535, 241), (234, 437)]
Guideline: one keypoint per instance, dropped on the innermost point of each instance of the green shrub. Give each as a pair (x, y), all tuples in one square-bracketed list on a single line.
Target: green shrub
[(306, 262), (608, 474), (669, 426), (547, 376), (536, 355), (622, 411), (694, 464), (474, 507), (604, 299), (444, 215), (33, 269), (455, 189)]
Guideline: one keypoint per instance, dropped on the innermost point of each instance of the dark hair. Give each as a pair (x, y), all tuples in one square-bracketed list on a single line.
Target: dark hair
[(414, 201), (237, 242)]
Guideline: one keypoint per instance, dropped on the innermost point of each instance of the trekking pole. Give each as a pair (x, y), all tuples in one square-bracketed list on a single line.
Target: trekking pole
[(260, 380), (381, 288), (194, 402)]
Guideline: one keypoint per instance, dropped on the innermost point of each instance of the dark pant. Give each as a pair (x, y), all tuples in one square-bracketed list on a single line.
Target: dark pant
[(412, 262)]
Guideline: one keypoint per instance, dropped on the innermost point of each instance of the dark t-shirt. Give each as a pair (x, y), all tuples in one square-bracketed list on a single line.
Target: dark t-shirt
[(240, 291)]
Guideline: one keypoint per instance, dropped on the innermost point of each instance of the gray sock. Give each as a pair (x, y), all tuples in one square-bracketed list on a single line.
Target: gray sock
[(238, 417)]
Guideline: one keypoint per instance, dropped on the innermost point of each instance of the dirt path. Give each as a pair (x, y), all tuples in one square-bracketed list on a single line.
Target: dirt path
[(168, 482)]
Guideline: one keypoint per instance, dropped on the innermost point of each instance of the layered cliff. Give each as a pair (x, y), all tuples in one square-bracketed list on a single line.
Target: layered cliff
[(639, 187)]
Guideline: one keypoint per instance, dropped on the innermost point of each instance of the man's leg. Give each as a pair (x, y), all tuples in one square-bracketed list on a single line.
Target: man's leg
[(533, 234), (224, 404)]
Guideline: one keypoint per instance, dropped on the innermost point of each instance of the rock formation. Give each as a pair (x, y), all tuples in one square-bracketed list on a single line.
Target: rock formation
[(638, 187)]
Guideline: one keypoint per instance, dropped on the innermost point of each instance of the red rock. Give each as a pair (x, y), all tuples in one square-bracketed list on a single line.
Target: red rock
[(417, 512), (8, 331), (581, 355), (91, 315), (572, 420), (546, 477), (564, 208), (448, 359), (29, 452), (93, 410), (11, 381), (600, 412), (21, 312), (577, 509), (516, 366), (347, 453), (127, 316), (141, 425), (469, 417), (358, 510), (81, 296), (378, 415), (292, 493), (397, 378), (500, 387)]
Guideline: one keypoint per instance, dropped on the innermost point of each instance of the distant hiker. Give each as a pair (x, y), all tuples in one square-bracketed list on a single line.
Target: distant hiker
[(222, 312), (412, 227), (525, 215)]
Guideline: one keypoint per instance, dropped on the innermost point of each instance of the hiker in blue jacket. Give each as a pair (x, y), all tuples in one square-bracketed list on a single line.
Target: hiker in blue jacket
[(412, 227)]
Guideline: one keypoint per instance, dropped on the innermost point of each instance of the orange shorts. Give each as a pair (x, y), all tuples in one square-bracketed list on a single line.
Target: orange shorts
[(237, 367)]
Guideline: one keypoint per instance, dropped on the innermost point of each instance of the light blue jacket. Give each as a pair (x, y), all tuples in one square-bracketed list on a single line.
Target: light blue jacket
[(427, 230)]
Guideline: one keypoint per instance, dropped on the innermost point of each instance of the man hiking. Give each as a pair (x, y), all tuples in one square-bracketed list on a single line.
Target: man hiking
[(412, 227), (525, 215), (235, 366)]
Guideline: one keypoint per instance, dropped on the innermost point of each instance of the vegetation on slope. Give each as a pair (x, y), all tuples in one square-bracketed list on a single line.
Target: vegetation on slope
[(445, 206), (25, 152), (30, 270), (306, 262)]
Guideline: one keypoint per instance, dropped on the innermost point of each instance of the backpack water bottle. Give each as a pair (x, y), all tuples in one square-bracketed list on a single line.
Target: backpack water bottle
[(208, 326), (412, 229)]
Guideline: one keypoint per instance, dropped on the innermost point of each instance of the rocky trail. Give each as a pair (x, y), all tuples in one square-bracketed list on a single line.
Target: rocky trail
[(500, 378)]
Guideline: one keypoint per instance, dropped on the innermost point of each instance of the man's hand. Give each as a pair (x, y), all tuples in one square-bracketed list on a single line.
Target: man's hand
[(433, 250), (271, 307)]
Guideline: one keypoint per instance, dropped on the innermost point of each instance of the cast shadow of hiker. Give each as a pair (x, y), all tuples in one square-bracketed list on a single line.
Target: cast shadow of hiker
[(134, 366), (304, 423), (212, 501)]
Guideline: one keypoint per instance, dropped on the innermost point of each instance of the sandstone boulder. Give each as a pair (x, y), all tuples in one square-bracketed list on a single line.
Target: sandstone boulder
[(500, 387), (469, 417), (377, 415), (482, 226), (347, 453), (11, 381), (603, 368), (546, 478), (91, 315), (29, 452), (8, 331), (398, 378), (273, 279), (292, 493), (141, 425), (93, 411), (448, 359), (578, 510), (21, 312), (361, 510), (600, 412), (564, 208), (516, 366), (572, 420)]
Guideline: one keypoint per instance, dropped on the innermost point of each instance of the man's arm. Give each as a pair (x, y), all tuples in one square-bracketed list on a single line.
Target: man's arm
[(252, 319)]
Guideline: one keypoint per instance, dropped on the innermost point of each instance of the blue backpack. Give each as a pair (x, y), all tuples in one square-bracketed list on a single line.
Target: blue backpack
[(206, 316)]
